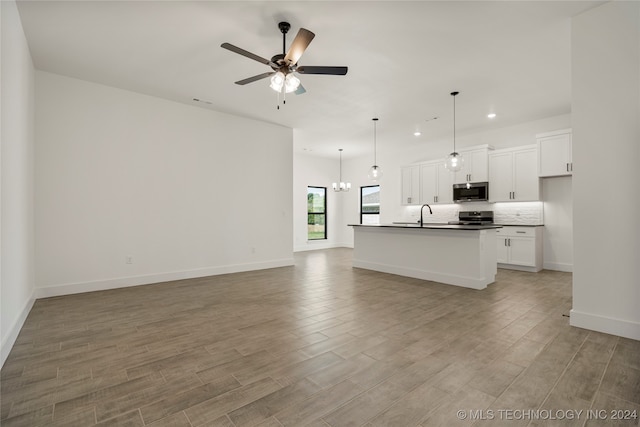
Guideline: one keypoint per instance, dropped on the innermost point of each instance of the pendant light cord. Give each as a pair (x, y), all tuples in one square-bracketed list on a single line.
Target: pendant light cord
[(454, 119), (375, 155)]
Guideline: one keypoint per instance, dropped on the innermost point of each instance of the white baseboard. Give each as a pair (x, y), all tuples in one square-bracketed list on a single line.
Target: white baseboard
[(313, 245), (449, 279), (518, 267), (558, 266), (14, 330), (608, 325), (123, 282)]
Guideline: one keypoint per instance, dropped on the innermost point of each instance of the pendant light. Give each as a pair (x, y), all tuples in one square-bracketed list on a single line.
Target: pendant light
[(454, 161), (341, 186), (375, 172)]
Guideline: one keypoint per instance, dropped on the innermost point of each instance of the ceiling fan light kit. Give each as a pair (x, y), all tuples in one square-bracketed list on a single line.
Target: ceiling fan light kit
[(454, 161), (285, 64)]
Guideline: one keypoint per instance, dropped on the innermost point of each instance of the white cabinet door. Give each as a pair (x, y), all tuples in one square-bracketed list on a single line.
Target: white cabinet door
[(526, 184), (555, 155), (513, 175), (435, 183), (429, 183), (475, 167), (500, 176), (445, 184), (410, 185), (522, 251), (503, 250), (519, 248)]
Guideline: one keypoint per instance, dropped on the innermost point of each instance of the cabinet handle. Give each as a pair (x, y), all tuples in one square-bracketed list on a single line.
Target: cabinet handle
[(521, 232), (571, 167), (408, 199), (505, 242), (509, 242)]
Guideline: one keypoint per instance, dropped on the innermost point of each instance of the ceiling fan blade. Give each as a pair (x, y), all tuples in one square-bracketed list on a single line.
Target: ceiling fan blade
[(299, 45), (243, 52), (335, 71), (254, 78), (300, 90)]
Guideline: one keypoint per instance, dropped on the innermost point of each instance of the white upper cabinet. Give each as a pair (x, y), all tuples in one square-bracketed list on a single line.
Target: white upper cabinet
[(513, 175), (436, 183), (410, 185), (475, 167), (554, 153)]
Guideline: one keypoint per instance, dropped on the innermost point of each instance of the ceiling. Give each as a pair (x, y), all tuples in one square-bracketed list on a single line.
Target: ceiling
[(508, 57)]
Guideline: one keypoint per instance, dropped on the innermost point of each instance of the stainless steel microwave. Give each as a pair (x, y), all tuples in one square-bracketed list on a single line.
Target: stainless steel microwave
[(471, 192)]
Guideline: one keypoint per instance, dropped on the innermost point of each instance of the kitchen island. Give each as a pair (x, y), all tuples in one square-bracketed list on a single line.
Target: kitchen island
[(461, 255)]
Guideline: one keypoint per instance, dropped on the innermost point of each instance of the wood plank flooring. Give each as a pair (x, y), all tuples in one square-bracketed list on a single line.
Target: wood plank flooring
[(318, 344)]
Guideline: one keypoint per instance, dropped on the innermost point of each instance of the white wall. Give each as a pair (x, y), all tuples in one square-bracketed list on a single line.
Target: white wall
[(606, 153), (317, 172), (16, 194), (183, 191), (558, 223)]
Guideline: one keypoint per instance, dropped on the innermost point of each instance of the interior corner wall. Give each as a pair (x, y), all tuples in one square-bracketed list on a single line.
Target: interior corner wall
[(17, 190), (133, 189), (606, 152)]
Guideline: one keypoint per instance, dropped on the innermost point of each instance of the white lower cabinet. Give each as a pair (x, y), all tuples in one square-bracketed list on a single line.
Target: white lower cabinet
[(519, 248)]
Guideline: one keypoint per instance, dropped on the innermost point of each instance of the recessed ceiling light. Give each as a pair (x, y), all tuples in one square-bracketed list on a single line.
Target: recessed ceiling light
[(417, 133), (491, 115)]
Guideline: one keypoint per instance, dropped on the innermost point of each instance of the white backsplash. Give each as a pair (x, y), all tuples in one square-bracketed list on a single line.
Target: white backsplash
[(511, 213)]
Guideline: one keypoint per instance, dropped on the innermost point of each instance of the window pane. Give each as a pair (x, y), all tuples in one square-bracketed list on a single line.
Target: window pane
[(370, 204), (316, 199), (316, 213), (316, 226)]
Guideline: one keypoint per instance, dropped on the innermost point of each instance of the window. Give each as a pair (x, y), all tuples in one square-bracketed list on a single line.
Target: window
[(316, 213), (370, 204)]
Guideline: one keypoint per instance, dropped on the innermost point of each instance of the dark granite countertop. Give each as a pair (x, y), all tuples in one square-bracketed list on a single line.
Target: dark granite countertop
[(521, 225), (431, 226)]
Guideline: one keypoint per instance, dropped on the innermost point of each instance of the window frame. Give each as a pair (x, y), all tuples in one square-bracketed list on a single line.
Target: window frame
[(361, 204), (317, 213)]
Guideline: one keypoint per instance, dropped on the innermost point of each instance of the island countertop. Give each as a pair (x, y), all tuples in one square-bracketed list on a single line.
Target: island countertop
[(432, 226)]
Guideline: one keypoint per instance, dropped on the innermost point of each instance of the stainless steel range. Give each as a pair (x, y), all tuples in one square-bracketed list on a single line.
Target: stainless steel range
[(474, 218)]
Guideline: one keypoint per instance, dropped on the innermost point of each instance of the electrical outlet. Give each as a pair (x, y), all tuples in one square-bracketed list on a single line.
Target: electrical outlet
[(128, 259), (253, 249)]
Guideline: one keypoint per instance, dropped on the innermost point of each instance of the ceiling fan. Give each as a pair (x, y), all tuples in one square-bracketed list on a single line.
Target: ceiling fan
[(285, 64)]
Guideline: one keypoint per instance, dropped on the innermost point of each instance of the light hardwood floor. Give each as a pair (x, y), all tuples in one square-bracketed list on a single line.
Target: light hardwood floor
[(320, 344)]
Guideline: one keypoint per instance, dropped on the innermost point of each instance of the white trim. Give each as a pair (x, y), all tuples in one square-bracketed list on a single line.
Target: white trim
[(14, 330), (123, 282), (312, 245), (518, 267), (449, 279), (608, 325), (558, 266)]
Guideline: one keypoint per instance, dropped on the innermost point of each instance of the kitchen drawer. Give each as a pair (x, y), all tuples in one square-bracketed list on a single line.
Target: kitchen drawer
[(517, 231)]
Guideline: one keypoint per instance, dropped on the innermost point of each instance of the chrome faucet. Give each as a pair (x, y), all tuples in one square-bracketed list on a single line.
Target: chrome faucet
[(421, 208)]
